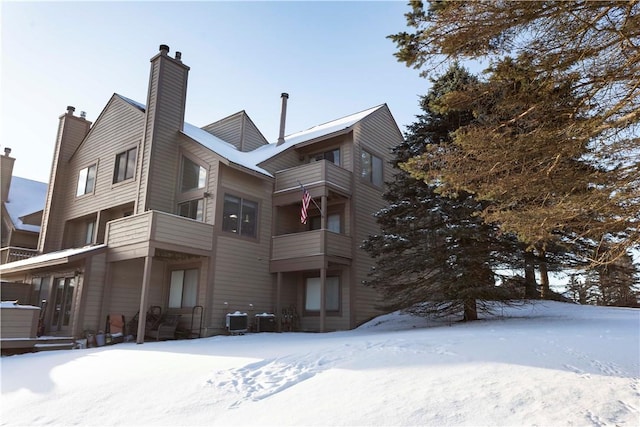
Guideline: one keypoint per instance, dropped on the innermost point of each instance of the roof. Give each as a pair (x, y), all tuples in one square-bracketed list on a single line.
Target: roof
[(252, 159), (25, 197), (50, 259)]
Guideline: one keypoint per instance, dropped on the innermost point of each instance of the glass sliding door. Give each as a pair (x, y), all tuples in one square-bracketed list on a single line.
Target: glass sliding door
[(63, 299)]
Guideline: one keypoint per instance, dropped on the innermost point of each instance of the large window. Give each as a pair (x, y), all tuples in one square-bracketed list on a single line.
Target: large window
[(86, 180), (240, 216), (372, 168), (331, 155), (183, 289), (125, 165), (194, 176), (332, 294), (193, 209)]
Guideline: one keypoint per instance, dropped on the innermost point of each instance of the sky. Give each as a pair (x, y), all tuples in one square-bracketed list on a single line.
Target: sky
[(332, 58), (544, 364)]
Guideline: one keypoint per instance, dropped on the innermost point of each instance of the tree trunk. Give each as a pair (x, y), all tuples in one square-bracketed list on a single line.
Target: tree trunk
[(470, 310), (544, 276), (530, 285)]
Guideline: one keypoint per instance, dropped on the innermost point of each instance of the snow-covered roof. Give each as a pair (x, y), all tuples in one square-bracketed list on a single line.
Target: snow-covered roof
[(252, 159), (25, 197), (51, 258)]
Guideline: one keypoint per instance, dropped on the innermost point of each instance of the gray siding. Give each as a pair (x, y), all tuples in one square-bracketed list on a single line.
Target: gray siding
[(239, 130), (242, 265), (377, 133)]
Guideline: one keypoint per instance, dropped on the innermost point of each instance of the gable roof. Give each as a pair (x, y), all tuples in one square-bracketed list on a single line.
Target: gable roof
[(252, 159), (25, 197)]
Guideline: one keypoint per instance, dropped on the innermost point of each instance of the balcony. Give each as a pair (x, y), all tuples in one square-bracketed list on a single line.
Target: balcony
[(12, 253), (159, 230), (323, 175), (304, 250)]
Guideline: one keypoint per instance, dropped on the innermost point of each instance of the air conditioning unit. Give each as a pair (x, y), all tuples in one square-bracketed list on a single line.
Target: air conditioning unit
[(265, 322), (237, 323)]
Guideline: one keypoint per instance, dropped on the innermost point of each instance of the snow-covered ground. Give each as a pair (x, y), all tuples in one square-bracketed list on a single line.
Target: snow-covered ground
[(544, 364)]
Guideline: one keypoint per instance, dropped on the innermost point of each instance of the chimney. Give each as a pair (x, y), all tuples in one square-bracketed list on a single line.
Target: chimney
[(6, 172), (71, 132), (164, 120), (283, 117)]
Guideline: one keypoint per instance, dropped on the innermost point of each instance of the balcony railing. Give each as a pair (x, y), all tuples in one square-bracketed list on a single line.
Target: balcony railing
[(322, 172), (160, 227), (12, 253), (310, 243)]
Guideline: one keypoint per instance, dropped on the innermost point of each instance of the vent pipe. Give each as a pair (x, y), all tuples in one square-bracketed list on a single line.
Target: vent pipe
[(283, 117)]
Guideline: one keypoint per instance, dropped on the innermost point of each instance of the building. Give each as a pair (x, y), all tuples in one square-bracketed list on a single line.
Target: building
[(144, 209), (22, 204)]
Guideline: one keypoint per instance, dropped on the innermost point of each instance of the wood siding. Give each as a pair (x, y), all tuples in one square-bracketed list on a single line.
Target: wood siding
[(93, 293), (71, 132), (19, 322), (242, 265), (377, 133), (299, 245), (312, 175), (239, 130), (160, 227)]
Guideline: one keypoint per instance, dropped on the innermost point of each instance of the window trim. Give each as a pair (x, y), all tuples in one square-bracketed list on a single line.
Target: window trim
[(184, 269), (314, 156), (202, 219), (116, 164), (330, 274), (370, 178), (95, 179), (241, 198), (185, 156)]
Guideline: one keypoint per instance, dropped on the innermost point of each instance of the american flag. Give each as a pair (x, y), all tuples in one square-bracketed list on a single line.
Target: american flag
[(306, 198)]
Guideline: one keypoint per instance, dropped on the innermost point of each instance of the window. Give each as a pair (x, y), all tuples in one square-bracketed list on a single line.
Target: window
[(331, 155), (194, 176), (333, 222), (183, 289), (240, 216), (332, 294), (86, 180), (193, 209), (372, 168), (90, 228), (125, 165)]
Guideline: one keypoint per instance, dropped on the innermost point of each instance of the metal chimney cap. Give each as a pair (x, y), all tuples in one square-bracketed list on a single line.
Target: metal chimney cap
[(164, 47), (70, 109), (284, 95), (7, 151)]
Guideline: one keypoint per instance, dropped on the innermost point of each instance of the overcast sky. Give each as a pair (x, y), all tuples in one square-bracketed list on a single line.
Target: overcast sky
[(333, 58)]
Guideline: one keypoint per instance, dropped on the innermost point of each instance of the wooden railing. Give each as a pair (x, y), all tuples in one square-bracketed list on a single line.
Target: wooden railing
[(321, 172), (310, 243), (12, 253)]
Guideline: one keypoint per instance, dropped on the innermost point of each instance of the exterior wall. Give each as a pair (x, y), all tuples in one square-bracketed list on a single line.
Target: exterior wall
[(163, 122), (93, 289), (209, 161), (239, 130), (242, 265), (378, 133), (118, 128), (71, 132)]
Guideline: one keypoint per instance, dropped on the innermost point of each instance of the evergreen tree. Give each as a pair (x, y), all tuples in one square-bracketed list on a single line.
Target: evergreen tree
[(555, 145), (434, 254)]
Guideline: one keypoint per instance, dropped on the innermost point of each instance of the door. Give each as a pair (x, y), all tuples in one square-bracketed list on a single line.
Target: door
[(63, 298)]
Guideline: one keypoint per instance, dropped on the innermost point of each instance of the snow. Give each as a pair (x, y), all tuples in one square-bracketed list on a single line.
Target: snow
[(50, 257), (15, 305), (548, 363), (26, 196), (252, 159)]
